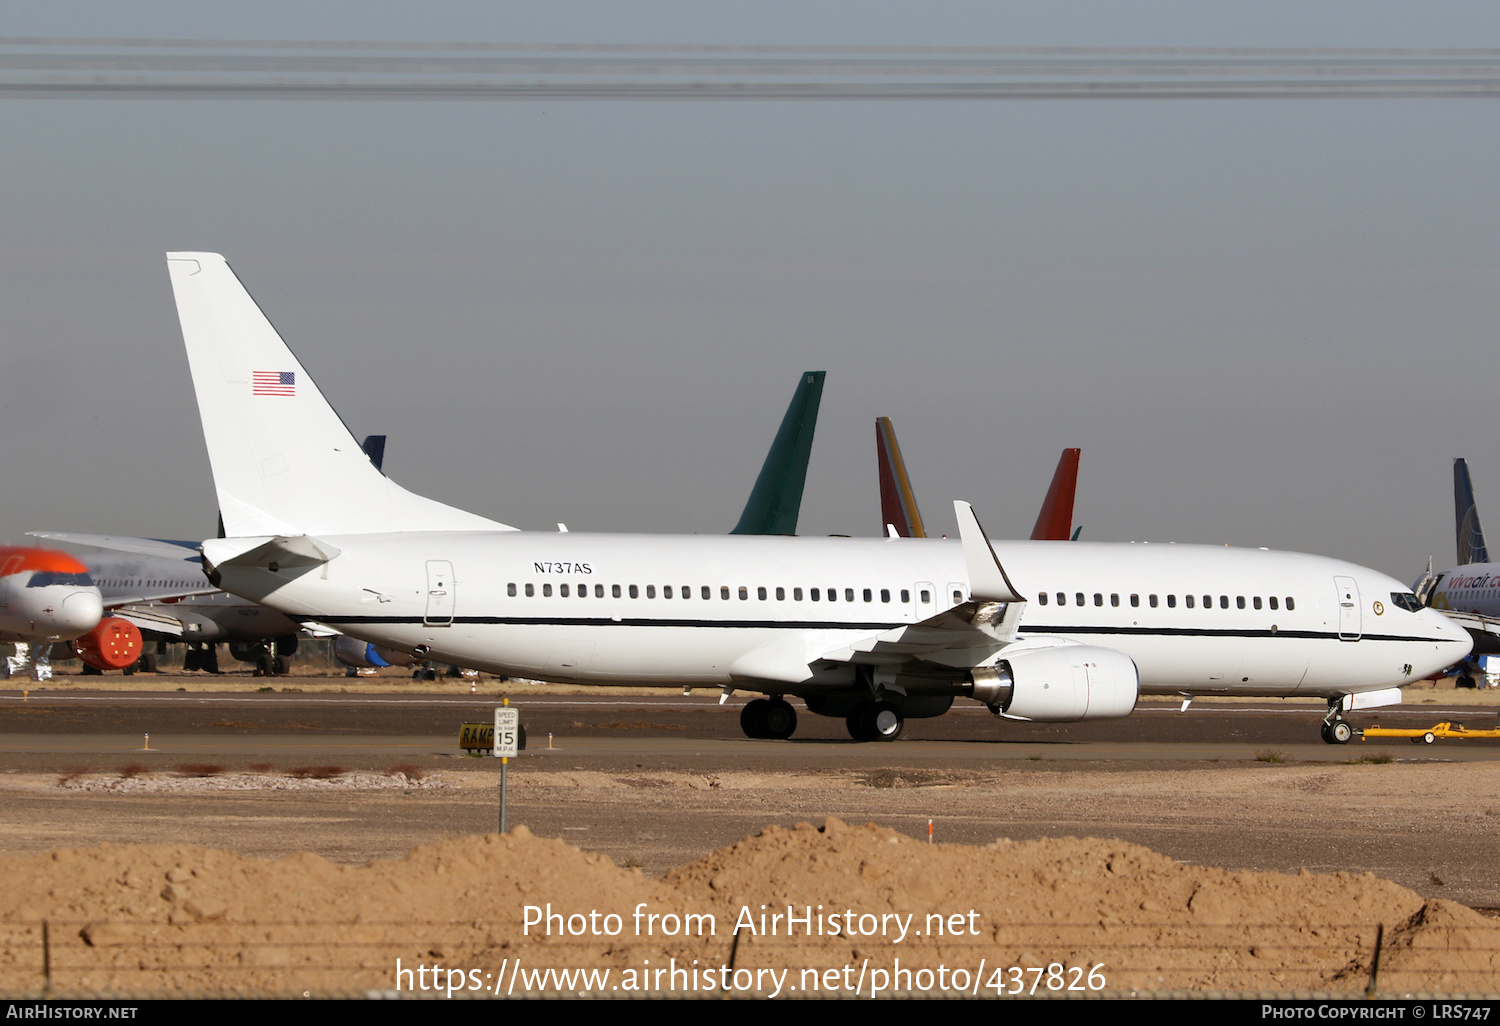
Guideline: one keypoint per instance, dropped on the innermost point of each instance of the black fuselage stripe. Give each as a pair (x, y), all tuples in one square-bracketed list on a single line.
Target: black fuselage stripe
[(605, 621)]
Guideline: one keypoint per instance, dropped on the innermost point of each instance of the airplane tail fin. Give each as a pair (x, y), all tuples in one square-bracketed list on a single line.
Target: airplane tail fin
[(898, 503), (776, 499), (1470, 535), (1055, 521), (283, 461)]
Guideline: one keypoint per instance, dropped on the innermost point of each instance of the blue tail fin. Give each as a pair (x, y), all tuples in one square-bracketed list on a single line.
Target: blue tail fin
[(1470, 535)]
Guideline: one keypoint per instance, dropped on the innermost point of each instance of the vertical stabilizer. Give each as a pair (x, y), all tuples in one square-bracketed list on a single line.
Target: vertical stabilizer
[(1055, 521), (898, 503), (1470, 535), (776, 499), (283, 461)]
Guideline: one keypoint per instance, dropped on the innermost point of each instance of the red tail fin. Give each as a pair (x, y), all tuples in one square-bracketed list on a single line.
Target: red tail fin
[(1055, 521)]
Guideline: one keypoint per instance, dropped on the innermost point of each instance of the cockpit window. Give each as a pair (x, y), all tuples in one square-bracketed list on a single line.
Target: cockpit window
[(1406, 600), (47, 578)]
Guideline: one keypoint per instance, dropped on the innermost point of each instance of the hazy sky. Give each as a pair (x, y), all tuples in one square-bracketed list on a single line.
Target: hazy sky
[(1265, 322)]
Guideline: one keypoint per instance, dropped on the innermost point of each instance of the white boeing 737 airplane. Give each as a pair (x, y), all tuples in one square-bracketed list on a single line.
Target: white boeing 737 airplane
[(874, 630)]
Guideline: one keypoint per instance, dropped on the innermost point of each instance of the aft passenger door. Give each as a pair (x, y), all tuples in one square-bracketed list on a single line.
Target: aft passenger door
[(439, 593), (1349, 616)]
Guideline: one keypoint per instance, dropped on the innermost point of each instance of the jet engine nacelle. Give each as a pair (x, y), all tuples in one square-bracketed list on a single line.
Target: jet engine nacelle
[(1068, 682), (353, 652), (113, 645)]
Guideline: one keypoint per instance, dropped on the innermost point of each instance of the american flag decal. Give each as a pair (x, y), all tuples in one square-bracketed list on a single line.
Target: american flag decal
[(273, 383)]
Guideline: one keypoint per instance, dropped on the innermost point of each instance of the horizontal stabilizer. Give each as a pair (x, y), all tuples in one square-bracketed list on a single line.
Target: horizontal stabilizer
[(282, 553)]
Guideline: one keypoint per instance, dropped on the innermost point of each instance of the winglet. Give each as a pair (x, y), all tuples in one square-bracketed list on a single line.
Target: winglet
[(987, 579), (1055, 521)]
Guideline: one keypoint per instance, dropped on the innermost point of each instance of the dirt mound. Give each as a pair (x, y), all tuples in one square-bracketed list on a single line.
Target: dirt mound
[(836, 908)]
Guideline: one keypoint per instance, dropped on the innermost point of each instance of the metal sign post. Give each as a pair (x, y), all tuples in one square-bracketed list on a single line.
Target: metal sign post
[(507, 744)]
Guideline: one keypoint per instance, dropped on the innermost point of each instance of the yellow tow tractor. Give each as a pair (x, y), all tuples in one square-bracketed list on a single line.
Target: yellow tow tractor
[(1427, 735)]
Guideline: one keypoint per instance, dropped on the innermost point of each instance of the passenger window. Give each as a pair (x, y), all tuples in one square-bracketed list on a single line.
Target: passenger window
[(1290, 605), (510, 589), (1208, 601), (1062, 598), (958, 597), (1256, 602), (1273, 601), (905, 595), (724, 592), (546, 591), (1098, 599), (1041, 599), (760, 593), (1187, 600), (1079, 597), (867, 596), (651, 591), (1114, 599), (744, 593), (849, 595), (885, 594), (599, 591), (707, 594), (666, 591), (562, 590), (635, 592), (833, 594), (797, 594), (780, 595), (1135, 601), (814, 594), (1152, 601), (530, 591), (1171, 601), (1239, 601), (614, 590), (1223, 601), (926, 598)]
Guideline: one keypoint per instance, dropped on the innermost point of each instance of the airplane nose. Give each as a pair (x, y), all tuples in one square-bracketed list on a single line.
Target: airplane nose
[(80, 613)]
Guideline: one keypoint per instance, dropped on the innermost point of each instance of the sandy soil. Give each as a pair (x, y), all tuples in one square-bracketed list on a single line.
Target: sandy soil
[(864, 903)]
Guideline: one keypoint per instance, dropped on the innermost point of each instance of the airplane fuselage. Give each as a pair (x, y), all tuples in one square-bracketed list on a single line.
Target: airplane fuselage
[(789, 615)]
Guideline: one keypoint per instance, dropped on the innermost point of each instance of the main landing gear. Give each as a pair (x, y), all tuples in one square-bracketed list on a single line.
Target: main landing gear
[(769, 718), (874, 721)]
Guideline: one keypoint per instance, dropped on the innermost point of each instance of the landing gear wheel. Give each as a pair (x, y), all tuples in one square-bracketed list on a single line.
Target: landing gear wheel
[(886, 722), (753, 718), (1428, 738), (1323, 733), (280, 666), (779, 719), (263, 666), (861, 721), (1339, 732), (1464, 681)]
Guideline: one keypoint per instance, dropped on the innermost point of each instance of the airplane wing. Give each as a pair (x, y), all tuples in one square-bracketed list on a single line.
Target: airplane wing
[(166, 548), (776, 499), (150, 620)]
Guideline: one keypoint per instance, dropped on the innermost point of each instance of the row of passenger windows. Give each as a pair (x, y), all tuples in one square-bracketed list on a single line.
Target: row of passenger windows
[(1190, 601), (686, 591)]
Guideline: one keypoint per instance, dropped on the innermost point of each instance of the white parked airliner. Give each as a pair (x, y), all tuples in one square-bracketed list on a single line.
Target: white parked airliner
[(874, 630)]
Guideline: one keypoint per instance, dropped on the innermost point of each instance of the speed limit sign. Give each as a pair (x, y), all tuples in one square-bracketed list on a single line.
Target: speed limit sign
[(507, 732)]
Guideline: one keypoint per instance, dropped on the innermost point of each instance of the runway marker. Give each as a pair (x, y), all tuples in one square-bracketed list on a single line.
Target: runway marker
[(929, 831), (147, 746)]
